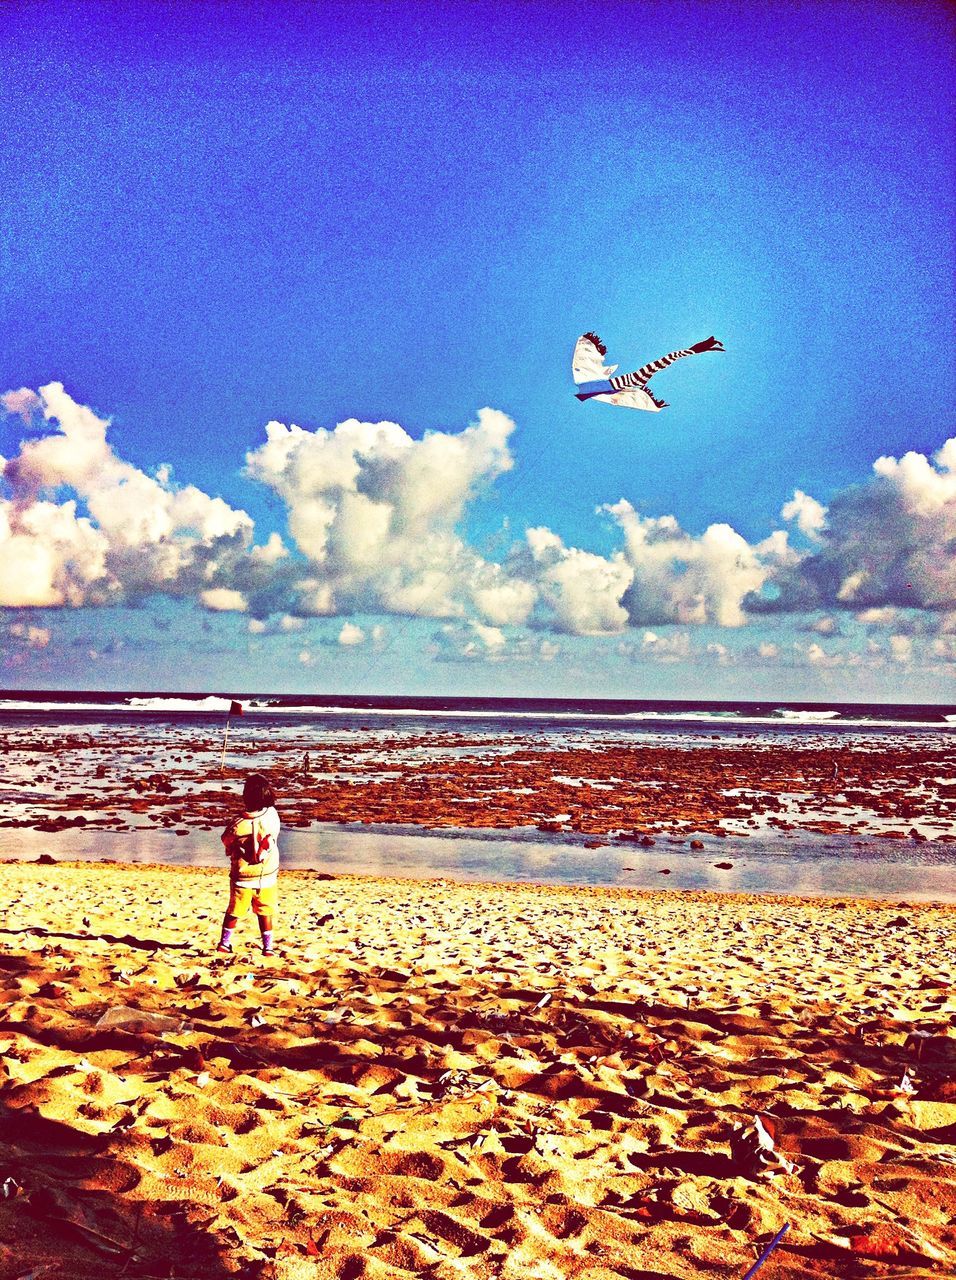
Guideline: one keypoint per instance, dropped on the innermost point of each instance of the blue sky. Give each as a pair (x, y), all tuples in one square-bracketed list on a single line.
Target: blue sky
[(215, 217)]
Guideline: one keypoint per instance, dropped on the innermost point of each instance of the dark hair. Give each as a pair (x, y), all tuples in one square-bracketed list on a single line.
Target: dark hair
[(257, 792)]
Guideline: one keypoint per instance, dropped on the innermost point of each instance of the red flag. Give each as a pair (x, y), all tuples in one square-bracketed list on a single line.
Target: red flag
[(235, 708)]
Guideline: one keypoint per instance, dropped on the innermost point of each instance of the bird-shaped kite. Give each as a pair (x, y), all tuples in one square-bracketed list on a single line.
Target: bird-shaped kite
[(629, 390)]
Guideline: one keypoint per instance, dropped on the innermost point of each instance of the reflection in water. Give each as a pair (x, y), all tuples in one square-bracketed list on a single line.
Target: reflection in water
[(844, 868)]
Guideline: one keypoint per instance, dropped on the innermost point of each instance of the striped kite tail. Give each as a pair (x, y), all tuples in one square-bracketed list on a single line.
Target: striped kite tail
[(643, 375)]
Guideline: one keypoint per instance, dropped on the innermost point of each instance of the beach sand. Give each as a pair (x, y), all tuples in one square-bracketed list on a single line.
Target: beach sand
[(458, 1080)]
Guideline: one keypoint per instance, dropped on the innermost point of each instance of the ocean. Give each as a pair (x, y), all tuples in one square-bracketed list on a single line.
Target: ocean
[(60, 746), (621, 713)]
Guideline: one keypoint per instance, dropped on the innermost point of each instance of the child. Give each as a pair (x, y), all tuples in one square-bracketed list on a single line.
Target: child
[(253, 850)]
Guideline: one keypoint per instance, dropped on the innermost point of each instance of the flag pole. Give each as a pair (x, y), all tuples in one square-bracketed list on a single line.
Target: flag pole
[(235, 709)]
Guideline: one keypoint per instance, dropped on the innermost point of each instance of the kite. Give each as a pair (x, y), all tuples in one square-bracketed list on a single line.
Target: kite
[(629, 390)]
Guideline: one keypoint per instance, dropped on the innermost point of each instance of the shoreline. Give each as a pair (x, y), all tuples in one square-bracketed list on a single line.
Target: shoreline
[(470, 1080), (318, 876), (797, 866)]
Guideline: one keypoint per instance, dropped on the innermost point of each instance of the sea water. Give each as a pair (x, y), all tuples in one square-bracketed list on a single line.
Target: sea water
[(770, 861)]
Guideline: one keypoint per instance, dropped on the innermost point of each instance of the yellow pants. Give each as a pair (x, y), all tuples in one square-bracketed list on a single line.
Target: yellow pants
[(262, 901)]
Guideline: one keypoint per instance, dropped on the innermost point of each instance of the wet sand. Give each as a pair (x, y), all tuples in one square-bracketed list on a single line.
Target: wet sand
[(451, 1080), (793, 863)]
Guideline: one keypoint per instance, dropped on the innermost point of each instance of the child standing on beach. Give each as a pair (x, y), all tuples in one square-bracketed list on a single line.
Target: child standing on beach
[(252, 846)]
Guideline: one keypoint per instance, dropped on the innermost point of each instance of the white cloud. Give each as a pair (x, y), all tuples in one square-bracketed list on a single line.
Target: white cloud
[(878, 617), (671, 648), (24, 402), (491, 637), (720, 653), (224, 600), (375, 513), (579, 592), (473, 641), (271, 552), (691, 580), (500, 600), (51, 556), (922, 489), (901, 649), (375, 525), (887, 543), (469, 642), (284, 624), (137, 534), (815, 655), (810, 515), (26, 633), (851, 586), (767, 649)]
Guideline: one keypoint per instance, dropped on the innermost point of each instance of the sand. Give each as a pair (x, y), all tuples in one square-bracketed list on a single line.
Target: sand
[(445, 1080)]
